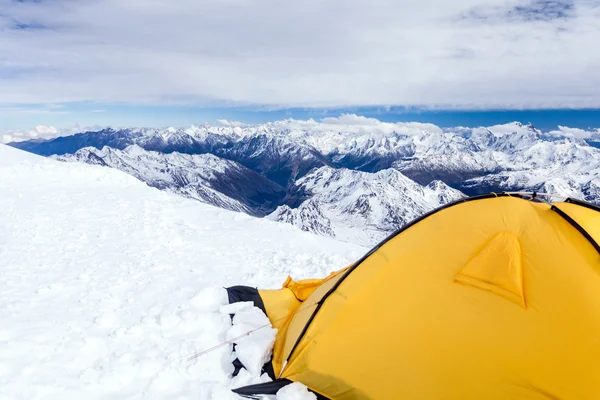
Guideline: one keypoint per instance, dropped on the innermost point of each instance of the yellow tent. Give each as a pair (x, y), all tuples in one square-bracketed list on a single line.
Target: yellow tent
[(491, 297)]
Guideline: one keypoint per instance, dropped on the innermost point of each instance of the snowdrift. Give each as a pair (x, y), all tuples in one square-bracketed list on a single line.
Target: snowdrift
[(108, 286)]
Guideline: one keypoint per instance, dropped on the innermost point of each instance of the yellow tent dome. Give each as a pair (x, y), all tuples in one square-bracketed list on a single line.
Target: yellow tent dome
[(491, 297)]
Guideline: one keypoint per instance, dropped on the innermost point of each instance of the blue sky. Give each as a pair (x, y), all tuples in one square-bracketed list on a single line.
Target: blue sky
[(164, 62), (87, 115)]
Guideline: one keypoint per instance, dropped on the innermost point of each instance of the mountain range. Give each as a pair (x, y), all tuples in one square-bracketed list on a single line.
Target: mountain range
[(356, 182), (360, 207)]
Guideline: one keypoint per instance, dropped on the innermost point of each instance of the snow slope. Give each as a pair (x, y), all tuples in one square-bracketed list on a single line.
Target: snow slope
[(205, 177), (105, 284)]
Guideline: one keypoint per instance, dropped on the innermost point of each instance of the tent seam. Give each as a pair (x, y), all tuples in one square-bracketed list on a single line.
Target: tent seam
[(576, 225)]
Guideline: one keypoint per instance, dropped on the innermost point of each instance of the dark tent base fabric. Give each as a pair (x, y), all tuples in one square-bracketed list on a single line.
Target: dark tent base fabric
[(237, 294), (246, 293), (268, 388), (262, 388)]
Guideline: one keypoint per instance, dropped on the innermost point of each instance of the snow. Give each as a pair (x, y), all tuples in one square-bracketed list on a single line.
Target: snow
[(253, 349), (295, 391), (203, 177), (512, 128), (360, 207), (108, 286)]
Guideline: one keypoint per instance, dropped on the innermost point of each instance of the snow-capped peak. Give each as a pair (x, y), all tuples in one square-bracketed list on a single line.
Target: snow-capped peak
[(358, 206)]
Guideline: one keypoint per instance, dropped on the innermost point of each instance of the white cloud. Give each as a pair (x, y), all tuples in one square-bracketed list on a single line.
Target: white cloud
[(45, 130), (311, 52), (39, 132), (351, 119), (352, 123), (225, 122), (565, 131)]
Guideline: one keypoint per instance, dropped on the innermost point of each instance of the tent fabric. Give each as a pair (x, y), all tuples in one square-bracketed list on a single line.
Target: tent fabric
[(491, 297), (290, 301)]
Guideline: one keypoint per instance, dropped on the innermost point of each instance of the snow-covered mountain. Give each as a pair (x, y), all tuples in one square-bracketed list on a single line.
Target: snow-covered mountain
[(360, 207), (509, 157), (285, 151), (108, 285), (204, 177), (566, 167), (261, 149)]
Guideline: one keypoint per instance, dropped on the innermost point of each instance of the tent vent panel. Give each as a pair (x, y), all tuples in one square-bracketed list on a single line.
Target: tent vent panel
[(497, 267)]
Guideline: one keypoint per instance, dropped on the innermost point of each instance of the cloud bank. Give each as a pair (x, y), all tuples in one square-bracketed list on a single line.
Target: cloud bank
[(41, 132), (352, 123), (565, 131), (431, 53), (344, 124)]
